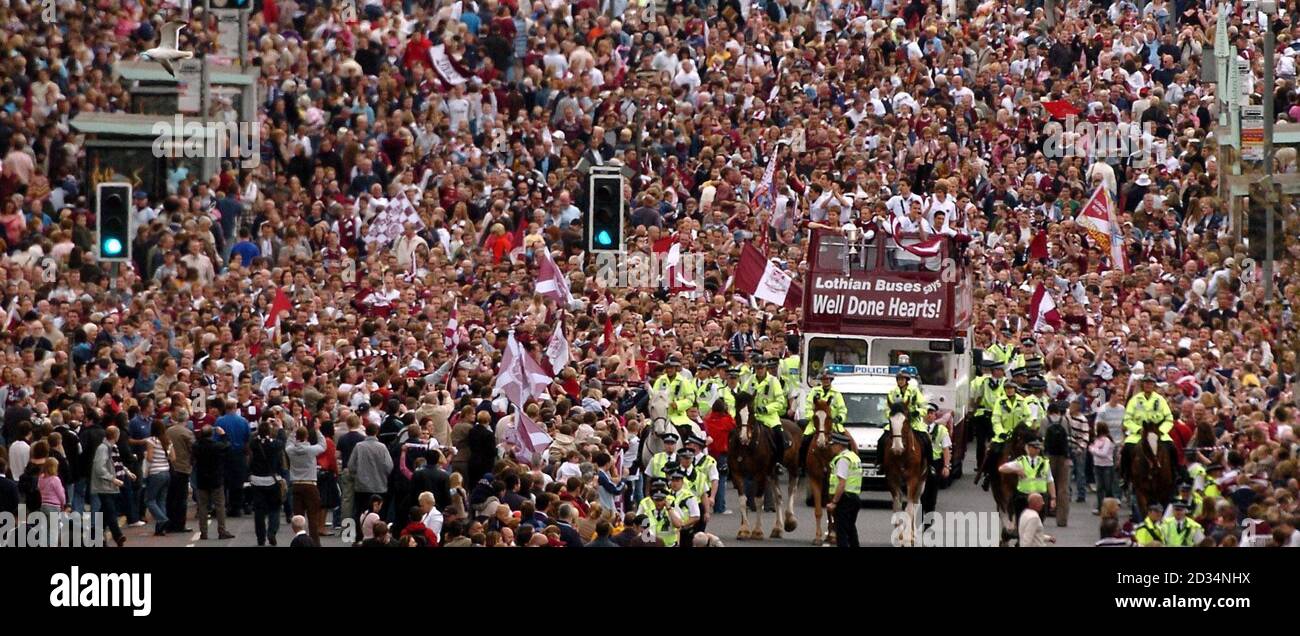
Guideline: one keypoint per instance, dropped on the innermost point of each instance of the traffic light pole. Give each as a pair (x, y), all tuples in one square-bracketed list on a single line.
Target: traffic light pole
[(1270, 91)]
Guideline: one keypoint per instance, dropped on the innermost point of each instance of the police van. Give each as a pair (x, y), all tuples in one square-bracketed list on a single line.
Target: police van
[(865, 389)]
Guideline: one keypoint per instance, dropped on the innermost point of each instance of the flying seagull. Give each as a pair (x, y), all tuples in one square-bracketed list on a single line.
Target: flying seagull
[(166, 52)]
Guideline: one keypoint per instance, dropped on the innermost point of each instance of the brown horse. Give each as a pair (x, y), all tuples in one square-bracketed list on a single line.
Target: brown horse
[(750, 458), (1004, 485), (905, 469), (1152, 476), (817, 463)]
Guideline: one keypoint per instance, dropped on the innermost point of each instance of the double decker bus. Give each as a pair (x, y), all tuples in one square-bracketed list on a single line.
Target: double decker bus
[(870, 302)]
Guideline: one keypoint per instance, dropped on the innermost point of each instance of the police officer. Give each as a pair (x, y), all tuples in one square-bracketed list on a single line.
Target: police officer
[(1002, 352), (1146, 406), (940, 458), (1028, 349), (986, 396), (663, 458), (731, 386), (845, 478), (1189, 496), (1011, 411), (790, 366), (839, 411), (681, 391), (686, 505), (707, 385), (769, 401), (661, 510), (1152, 531), (1038, 402), (738, 361), (707, 480), (1035, 475), (908, 399), (1181, 531), (684, 461)]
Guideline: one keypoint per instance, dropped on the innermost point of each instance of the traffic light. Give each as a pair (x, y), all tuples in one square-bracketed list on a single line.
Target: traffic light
[(605, 212), (1257, 221), (113, 214)]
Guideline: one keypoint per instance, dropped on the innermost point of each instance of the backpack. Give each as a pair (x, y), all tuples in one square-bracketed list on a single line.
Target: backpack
[(1057, 440)]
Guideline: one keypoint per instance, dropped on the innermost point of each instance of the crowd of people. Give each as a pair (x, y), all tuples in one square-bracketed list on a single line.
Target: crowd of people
[(320, 338)]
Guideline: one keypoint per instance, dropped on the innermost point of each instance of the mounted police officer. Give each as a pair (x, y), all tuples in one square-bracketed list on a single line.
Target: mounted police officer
[(681, 392), (730, 387), (1146, 406), (769, 401), (845, 479), (907, 399), (839, 411), (708, 385), (1011, 412)]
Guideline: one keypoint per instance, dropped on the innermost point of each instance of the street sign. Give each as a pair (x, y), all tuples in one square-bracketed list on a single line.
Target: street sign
[(189, 81), (1252, 133), (1245, 85), (1232, 94)]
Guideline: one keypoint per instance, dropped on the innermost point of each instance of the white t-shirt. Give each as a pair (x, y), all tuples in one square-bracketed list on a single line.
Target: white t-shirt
[(842, 470), (458, 112), (567, 470)]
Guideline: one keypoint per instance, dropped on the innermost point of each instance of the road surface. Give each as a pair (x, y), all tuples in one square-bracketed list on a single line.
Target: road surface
[(874, 523)]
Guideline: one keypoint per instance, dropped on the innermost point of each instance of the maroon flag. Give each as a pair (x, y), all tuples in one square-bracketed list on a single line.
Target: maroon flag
[(1038, 246), (551, 282), (762, 279), (1042, 310)]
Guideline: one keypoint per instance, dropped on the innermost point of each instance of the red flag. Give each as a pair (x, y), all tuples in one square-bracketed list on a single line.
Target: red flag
[(1060, 109), (608, 340), (1042, 310), (1038, 246), (279, 304)]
